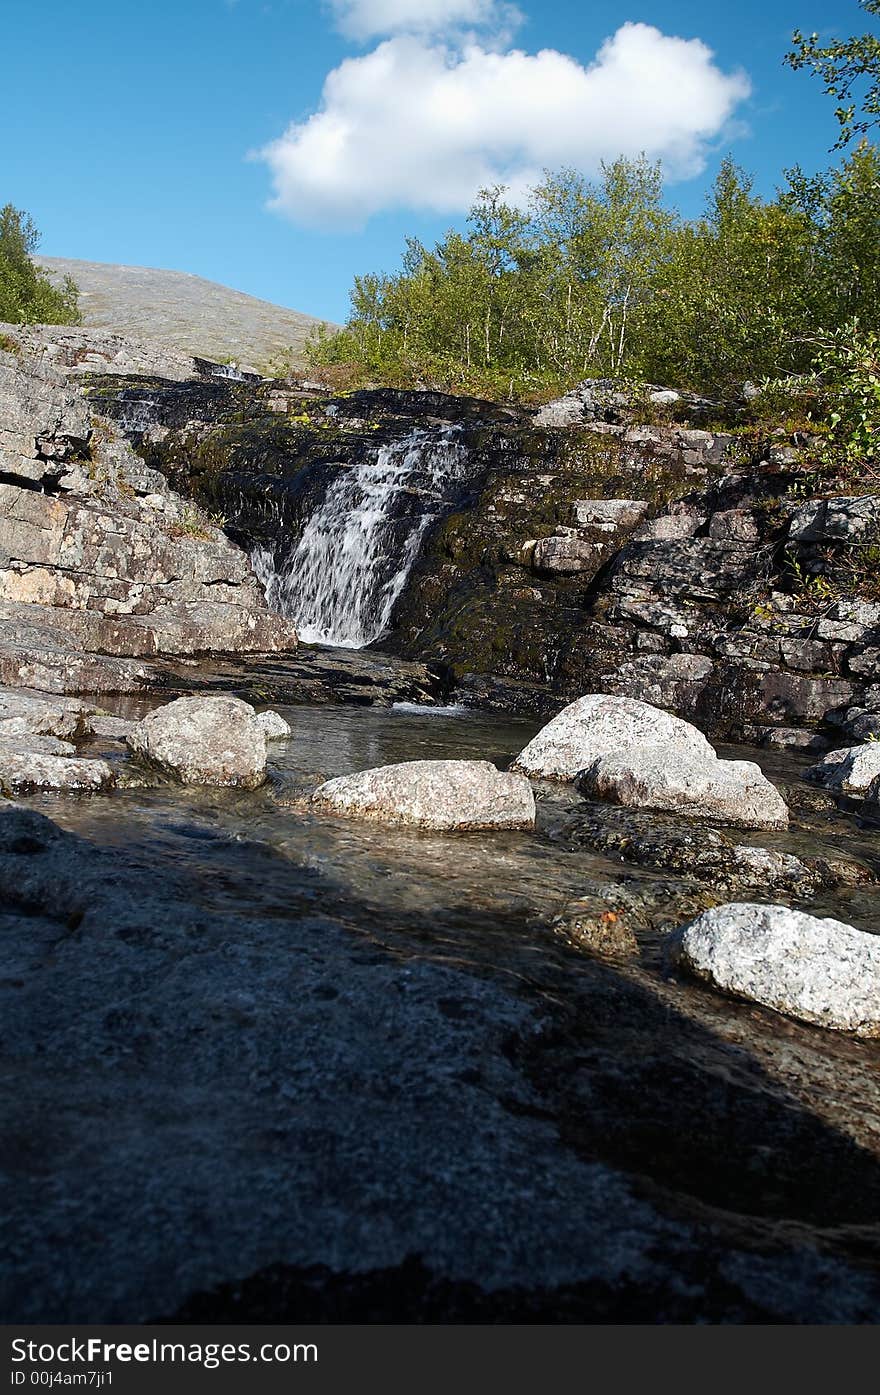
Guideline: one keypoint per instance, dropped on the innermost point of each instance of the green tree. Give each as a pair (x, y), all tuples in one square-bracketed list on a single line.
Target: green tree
[(27, 296), (842, 207), (732, 294), (850, 72)]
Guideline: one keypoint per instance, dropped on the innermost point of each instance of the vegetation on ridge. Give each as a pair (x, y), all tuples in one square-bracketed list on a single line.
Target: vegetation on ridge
[(600, 279), (27, 296)]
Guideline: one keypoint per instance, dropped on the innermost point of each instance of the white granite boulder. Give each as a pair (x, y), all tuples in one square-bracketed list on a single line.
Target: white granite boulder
[(599, 725), (821, 971), (204, 741), (273, 726), (735, 792), (433, 794), (633, 754)]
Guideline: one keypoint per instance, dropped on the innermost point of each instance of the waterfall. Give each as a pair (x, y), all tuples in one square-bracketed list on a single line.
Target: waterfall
[(340, 582)]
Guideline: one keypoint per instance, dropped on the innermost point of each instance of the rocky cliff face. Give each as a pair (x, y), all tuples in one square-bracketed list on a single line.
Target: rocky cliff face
[(102, 566), (647, 548)]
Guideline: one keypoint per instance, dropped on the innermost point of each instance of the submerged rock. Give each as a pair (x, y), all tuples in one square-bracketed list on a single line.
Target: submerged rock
[(821, 971), (204, 741), (641, 838), (433, 794)]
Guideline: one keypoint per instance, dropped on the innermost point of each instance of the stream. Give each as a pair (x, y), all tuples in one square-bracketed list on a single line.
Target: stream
[(361, 1073)]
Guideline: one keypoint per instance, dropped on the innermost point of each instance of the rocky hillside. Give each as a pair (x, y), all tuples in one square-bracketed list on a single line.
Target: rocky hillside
[(185, 312)]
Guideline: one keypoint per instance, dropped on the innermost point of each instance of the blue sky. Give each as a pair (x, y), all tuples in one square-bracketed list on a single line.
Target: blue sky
[(127, 129)]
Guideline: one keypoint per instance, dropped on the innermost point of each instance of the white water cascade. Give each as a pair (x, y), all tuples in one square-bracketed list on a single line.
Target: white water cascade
[(340, 582)]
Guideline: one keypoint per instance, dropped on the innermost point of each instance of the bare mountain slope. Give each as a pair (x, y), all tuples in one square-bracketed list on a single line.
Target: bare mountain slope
[(185, 312)]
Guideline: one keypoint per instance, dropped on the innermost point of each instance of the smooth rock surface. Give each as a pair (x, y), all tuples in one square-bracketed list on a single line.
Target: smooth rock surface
[(204, 741), (821, 971), (433, 794)]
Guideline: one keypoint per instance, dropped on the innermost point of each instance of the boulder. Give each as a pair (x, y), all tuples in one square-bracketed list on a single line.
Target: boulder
[(27, 711), (840, 519), (23, 770), (820, 971), (204, 741), (433, 794), (852, 770), (725, 791), (273, 726), (630, 753), (599, 725)]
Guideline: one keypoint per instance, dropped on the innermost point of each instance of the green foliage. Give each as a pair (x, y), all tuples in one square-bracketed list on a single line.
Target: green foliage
[(732, 292), (27, 296), (850, 72), (847, 366), (600, 280)]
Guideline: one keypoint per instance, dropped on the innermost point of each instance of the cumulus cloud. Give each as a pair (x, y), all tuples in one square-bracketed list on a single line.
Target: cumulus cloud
[(421, 125), (368, 19)]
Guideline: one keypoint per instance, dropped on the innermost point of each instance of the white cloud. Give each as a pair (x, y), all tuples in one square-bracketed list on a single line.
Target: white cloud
[(368, 19), (416, 124)]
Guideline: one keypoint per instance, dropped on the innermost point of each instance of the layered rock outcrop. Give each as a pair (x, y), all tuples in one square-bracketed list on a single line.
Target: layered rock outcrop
[(102, 565)]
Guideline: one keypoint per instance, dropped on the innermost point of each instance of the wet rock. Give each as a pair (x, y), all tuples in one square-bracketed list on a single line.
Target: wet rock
[(599, 725), (725, 791), (23, 770), (706, 854), (852, 769), (786, 738), (820, 971), (273, 726), (596, 927), (111, 728), (204, 741), (433, 794)]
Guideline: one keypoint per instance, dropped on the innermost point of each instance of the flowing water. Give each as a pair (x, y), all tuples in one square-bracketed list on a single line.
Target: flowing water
[(343, 576), (280, 1037)]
